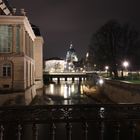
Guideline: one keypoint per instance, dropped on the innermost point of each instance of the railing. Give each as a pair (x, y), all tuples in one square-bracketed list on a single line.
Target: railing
[(70, 122)]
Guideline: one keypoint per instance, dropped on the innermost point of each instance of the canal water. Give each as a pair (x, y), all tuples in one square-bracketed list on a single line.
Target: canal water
[(65, 93)]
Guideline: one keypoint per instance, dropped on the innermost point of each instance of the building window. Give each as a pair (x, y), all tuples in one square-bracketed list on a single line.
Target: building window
[(7, 70), (5, 38), (18, 39)]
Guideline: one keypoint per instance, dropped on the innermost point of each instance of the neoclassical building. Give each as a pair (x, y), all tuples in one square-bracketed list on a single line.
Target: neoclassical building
[(20, 52)]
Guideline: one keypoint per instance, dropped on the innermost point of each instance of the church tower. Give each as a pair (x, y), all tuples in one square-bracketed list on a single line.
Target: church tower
[(71, 58)]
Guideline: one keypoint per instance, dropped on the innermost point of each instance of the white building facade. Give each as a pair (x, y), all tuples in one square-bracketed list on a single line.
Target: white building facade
[(21, 56)]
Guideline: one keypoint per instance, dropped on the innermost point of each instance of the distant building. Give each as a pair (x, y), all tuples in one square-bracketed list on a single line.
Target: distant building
[(54, 65), (71, 55), (21, 45), (71, 58), (60, 65)]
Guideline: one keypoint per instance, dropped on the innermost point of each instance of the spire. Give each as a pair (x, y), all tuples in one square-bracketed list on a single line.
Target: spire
[(71, 45), (71, 54)]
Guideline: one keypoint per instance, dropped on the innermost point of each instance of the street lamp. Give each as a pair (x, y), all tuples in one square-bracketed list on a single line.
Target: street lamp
[(125, 65), (106, 68)]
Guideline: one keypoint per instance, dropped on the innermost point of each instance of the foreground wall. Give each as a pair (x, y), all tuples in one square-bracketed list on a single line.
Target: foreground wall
[(122, 92)]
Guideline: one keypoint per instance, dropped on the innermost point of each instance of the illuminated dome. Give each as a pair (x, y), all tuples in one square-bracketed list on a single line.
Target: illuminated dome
[(71, 54), (71, 58)]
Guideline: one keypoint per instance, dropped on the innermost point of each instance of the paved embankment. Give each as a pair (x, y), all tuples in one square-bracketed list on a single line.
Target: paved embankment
[(97, 94), (122, 91)]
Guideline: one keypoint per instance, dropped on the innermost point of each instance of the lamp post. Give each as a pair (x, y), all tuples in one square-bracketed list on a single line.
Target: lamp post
[(106, 68), (125, 65)]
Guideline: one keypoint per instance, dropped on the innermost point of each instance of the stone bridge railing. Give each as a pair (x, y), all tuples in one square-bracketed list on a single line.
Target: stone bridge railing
[(70, 122)]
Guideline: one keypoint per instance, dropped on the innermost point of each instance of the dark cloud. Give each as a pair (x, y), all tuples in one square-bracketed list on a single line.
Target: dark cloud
[(62, 21)]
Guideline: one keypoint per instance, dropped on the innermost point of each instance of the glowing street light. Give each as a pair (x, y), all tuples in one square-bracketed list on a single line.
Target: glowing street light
[(106, 68), (126, 64)]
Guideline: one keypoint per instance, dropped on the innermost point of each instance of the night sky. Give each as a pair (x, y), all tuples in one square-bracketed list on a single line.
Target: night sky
[(63, 21)]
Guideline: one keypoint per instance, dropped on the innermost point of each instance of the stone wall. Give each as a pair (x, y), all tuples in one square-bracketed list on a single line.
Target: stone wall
[(122, 92)]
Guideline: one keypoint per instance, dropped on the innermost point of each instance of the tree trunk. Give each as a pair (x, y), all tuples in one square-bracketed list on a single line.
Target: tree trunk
[(115, 73)]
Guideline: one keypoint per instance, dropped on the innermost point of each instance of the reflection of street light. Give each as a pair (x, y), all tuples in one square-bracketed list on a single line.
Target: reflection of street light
[(106, 68), (94, 67), (101, 81), (87, 54)]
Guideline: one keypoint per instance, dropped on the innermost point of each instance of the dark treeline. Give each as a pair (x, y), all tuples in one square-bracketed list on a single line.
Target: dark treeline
[(112, 44)]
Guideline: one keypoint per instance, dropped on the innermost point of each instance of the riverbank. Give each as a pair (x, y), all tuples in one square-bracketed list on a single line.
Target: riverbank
[(96, 93), (122, 91)]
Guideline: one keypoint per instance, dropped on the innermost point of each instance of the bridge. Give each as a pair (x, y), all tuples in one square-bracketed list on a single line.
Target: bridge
[(48, 76)]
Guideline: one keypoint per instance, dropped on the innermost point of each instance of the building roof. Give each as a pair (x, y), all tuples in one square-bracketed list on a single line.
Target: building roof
[(8, 4), (54, 58), (5, 7)]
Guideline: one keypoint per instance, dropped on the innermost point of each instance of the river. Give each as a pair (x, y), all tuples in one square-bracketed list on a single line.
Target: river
[(65, 93)]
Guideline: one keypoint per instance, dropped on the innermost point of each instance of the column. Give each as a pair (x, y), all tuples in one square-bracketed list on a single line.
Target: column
[(27, 43), (13, 38), (72, 79), (58, 80), (22, 39), (31, 47), (80, 79)]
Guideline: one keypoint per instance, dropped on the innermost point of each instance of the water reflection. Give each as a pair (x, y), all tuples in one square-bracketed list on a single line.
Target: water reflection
[(63, 93), (65, 89)]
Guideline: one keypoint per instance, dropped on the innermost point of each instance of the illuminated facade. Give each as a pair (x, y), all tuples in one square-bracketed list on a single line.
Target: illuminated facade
[(54, 65), (60, 65), (20, 54)]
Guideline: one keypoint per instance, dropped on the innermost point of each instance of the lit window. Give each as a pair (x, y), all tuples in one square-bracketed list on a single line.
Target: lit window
[(6, 70)]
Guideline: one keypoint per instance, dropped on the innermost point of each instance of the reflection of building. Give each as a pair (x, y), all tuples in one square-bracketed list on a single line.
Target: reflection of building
[(20, 53)]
